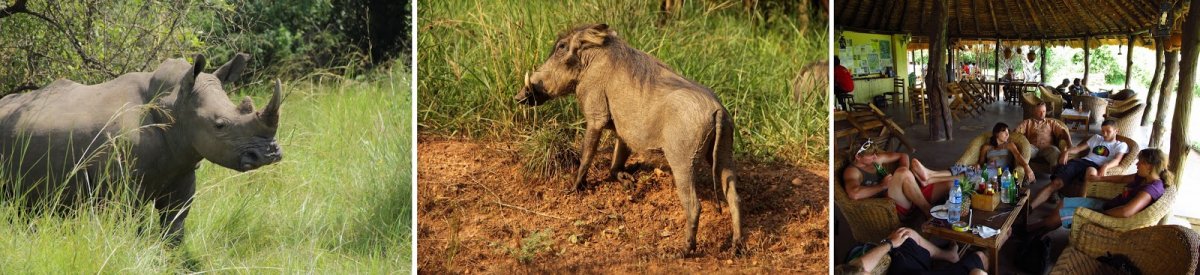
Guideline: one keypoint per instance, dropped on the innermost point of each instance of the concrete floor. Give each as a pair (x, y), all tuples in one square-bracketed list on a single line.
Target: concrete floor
[(942, 154)]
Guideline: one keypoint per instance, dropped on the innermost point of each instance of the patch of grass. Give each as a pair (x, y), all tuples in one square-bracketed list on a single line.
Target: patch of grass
[(339, 202), (533, 244), (549, 150), (473, 56)]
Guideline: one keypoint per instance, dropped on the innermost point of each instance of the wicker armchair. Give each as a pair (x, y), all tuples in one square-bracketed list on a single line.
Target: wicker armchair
[(1166, 249), (1124, 94), (1028, 102), (1153, 214), (970, 155), (1096, 105), (1054, 100), (854, 267), (870, 219), (1128, 118)]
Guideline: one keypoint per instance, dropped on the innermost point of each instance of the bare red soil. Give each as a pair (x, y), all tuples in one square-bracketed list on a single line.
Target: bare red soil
[(476, 210)]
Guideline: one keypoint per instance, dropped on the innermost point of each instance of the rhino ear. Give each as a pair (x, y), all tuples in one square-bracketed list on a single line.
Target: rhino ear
[(232, 70), (197, 65)]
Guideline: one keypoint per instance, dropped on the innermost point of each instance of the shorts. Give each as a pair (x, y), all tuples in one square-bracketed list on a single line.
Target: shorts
[(911, 258), (1073, 171), (1067, 213), (926, 192)]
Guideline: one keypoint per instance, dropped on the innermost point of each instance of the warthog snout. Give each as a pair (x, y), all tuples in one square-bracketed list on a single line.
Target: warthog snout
[(531, 94), (259, 156)]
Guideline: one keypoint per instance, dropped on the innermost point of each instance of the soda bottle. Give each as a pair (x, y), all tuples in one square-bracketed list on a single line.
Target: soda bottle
[(879, 170), (954, 203)]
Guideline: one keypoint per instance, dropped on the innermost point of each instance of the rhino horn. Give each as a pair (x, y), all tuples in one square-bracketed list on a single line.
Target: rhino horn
[(526, 79), (247, 106), (270, 114)]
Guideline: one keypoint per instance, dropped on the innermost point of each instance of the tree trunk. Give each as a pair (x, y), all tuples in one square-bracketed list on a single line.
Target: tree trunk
[(996, 60), (1183, 101), (941, 126), (1043, 66), (1128, 61), (1087, 52), (1168, 85), (1159, 51)]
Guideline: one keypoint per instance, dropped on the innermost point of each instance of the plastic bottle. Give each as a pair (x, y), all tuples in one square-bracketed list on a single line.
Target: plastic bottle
[(954, 204), (1006, 184)]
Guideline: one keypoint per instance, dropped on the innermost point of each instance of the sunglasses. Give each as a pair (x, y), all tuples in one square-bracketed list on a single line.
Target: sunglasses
[(864, 147)]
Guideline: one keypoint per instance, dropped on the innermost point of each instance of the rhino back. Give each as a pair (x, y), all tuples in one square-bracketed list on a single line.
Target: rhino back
[(45, 132)]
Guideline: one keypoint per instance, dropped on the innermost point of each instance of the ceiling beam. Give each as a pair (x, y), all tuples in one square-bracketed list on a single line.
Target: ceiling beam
[(903, 14), (1037, 22), (992, 10)]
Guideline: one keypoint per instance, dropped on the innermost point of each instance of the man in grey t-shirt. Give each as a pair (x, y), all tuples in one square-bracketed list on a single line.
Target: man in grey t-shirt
[(1104, 152)]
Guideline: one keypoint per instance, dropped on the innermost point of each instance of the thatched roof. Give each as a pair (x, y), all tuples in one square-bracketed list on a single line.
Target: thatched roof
[(1056, 21)]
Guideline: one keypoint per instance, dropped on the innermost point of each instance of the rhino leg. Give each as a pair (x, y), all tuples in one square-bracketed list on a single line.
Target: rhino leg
[(173, 206), (621, 153), (590, 139), (683, 167)]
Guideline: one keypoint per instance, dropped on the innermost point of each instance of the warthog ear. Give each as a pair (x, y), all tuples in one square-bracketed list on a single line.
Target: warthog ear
[(247, 106), (232, 70), (593, 36)]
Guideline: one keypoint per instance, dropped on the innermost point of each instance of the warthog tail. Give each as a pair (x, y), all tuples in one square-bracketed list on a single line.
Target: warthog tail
[(719, 119)]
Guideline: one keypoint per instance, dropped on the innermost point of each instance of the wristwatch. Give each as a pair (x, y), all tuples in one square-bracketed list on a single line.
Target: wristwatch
[(889, 243)]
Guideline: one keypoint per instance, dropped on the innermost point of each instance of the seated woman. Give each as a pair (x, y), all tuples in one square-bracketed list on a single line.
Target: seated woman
[(866, 177), (1002, 152), (1141, 190)]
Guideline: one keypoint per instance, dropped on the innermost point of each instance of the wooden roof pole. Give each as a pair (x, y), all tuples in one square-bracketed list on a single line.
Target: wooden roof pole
[(1086, 59), (1168, 85), (1042, 74), (941, 125), (1128, 60), (1159, 52), (1183, 100), (996, 60)]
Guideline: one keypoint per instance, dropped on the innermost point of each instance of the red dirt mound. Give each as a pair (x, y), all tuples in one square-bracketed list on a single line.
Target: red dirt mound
[(478, 213)]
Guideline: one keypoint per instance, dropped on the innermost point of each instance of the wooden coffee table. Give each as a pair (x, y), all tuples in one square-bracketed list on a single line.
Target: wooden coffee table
[(1072, 115), (1001, 218)]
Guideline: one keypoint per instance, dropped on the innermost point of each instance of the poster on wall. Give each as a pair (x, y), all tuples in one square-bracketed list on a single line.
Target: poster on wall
[(885, 49)]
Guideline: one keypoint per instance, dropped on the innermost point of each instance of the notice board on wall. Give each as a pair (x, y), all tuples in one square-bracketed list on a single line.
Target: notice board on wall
[(866, 56)]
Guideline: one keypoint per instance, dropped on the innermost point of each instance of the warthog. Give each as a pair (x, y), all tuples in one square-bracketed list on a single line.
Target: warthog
[(648, 105), (160, 124)]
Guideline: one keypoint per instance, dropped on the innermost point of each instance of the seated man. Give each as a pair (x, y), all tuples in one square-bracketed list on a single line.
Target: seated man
[(1104, 152), (1141, 190), (1044, 135), (913, 254), (866, 177), (1061, 89)]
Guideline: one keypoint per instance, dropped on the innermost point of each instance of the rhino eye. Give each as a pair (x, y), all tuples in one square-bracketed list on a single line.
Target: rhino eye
[(220, 124)]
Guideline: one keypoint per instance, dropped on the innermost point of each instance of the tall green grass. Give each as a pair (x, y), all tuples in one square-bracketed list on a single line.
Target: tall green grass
[(473, 55), (339, 202)]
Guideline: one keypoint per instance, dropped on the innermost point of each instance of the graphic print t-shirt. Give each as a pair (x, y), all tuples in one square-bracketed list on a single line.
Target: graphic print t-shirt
[(1103, 151)]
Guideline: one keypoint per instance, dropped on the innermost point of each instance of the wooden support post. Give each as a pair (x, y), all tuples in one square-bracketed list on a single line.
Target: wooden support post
[(996, 60), (1128, 61), (941, 125), (952, 64), (1043, 66), (1159, 52), (1086, 58), (1183, 101), (1168, 85)]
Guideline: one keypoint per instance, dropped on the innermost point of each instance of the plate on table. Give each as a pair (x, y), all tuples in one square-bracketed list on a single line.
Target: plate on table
[(939, 212)]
